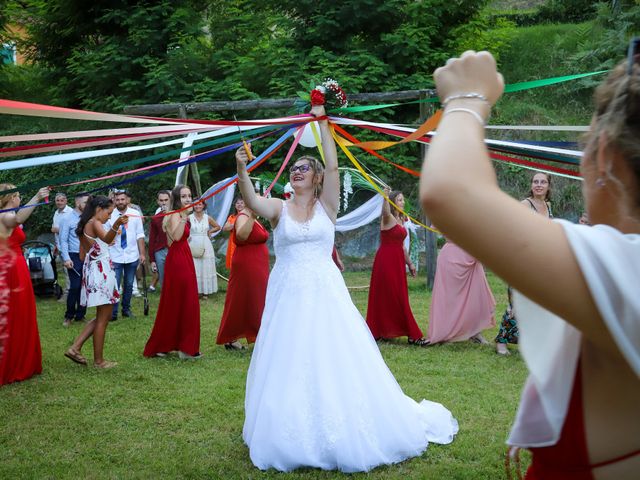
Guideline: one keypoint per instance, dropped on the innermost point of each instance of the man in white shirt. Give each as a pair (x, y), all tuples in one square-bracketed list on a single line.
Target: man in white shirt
[(127, 251), (61, 210)]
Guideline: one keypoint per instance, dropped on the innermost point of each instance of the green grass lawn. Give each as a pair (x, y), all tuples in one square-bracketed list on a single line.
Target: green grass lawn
[(166, 418)]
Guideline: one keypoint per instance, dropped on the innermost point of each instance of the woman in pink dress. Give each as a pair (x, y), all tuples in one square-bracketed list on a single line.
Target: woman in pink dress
[(389, 313), (20, 353), (462, 304), (99, 286), (177, 325)]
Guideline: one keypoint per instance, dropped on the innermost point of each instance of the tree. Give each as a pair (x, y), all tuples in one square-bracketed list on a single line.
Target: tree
[(108, 53)]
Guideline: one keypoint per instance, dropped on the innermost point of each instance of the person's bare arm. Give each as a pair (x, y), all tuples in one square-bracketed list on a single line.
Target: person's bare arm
[(330, 196), (12, 219), (409, 263), (213, 226), (96, 230), (244, 225), (176, 225), (268, 208), (459, 193), (387, 220), (142, 250)]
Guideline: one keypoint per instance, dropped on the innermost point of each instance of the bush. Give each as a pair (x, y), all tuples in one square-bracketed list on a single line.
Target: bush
[(567, 11)]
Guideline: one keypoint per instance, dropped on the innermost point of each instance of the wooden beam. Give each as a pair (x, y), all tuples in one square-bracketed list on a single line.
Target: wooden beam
[(268, 103)]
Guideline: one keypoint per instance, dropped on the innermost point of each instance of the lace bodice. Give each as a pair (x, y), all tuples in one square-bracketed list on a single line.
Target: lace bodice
[(304, 244), (199, 227)]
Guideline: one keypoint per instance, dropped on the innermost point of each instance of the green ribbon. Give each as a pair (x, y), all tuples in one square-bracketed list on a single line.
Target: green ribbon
[(515, 87)]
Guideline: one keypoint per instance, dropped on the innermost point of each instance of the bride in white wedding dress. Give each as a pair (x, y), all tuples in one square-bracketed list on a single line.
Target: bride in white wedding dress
[(318, 391)]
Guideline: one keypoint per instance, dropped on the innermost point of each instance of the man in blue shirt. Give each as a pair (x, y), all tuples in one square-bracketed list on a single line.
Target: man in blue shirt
[(70, 251)]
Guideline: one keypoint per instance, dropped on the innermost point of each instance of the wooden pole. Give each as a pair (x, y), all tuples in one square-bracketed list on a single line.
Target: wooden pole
[(191, 169), (268, 103), (430, 240)]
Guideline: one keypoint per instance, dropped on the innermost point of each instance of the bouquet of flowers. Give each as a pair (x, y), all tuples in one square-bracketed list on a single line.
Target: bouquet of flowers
[(328, 93)]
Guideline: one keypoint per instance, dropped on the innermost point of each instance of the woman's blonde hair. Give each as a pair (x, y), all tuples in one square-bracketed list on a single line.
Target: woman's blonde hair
[(318, 173), (6, 198), (617, 115)]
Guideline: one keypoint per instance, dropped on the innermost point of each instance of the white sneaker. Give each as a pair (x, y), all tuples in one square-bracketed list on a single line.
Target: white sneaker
[(186, 356)]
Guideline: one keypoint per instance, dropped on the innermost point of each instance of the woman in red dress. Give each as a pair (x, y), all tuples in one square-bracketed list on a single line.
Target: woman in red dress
[(247, 288), (177, 325), (389, 314), (20, 353)]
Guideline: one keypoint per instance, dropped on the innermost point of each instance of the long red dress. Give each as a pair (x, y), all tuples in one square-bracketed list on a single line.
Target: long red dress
[(389, 314), (247, 288), (177, 325), (20, 353)]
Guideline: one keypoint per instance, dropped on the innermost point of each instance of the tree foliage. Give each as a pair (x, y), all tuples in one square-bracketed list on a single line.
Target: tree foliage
[(105, 54)]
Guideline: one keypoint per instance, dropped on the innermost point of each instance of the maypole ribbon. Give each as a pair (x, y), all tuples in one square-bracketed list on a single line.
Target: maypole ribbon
[(316, 137), (105, 132), (341, 142), (250, 167), (515, 87), (157, 156), (286, 160), (350, 137), (428, 126)]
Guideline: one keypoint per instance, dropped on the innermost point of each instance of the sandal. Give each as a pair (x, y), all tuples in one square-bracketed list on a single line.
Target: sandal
[(75, 356), (420, 342), (501, 349), (478, 338), (105, 364), (234, 346)]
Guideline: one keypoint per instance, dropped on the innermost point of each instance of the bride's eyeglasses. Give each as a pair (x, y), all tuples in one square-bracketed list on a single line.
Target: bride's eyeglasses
[(304, 168)]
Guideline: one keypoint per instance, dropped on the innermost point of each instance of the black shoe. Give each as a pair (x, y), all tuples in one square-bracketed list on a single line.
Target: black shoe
[(83, 319), (113, 319), (127, 315)]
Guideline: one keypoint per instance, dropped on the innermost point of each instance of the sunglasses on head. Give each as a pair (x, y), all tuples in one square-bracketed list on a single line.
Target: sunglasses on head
[(304, 168)]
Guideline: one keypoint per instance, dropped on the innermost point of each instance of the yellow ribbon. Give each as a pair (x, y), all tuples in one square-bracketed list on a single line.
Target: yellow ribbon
[(316, 136), (342, 142)]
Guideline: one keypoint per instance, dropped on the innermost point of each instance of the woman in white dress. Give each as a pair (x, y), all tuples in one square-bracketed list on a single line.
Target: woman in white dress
[(99, 287), (318, 391), (204, 258)]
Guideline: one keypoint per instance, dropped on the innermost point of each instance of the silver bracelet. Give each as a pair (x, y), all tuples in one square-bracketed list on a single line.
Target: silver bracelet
[(476, 115), (470, 95)]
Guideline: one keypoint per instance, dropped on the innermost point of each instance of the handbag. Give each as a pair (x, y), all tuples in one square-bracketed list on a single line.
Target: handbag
[(197, 247)]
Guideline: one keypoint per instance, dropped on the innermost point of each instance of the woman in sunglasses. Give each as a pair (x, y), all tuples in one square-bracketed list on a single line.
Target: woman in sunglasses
[(575, 287), (318, 391)]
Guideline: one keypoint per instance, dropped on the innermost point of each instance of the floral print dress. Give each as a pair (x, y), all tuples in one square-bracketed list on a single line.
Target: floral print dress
[(99, 285)]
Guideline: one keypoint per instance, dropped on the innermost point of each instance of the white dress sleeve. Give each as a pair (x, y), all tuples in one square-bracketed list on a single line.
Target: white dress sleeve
[(610, 263)]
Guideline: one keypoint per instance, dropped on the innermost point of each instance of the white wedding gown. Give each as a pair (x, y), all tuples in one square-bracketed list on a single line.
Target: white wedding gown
[(318, 391)]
